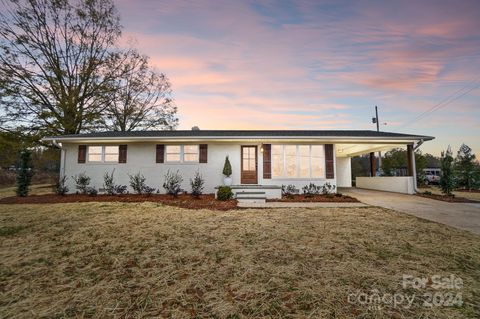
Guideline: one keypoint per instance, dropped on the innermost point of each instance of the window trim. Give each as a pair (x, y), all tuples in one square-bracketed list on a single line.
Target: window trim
[(182, 154), (102, 154), (297, 163)]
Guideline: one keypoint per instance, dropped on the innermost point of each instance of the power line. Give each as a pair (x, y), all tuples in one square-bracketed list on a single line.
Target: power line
[(446, 101)]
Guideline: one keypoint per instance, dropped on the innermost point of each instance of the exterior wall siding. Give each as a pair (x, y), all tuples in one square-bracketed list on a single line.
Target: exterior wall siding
[(141, 157), (344, 172)]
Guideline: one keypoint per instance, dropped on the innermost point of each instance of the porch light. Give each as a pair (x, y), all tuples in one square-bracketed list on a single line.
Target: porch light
[(261, 148)]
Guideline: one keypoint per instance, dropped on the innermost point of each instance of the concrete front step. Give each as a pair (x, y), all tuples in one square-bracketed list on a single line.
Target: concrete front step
[(251, 201)]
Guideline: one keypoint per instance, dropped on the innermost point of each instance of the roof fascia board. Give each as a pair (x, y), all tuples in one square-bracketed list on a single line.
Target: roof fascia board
[(337, 139)]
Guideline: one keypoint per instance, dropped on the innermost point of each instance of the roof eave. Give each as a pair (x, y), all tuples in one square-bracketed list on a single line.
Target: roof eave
[(236, 138)]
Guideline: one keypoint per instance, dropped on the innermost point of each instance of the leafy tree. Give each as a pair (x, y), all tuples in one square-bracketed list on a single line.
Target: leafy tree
[(142, 98), (465, 167), (447, 178), (24, 173), (10, 147), (397, 159), (360, 166), (432, 161)]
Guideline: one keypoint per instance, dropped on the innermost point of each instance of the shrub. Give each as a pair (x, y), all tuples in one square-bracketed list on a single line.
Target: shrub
[(427, 193), (81, 182), (120, 189), (137, 183), (61, 186), (92, 191), (109, 185), (227, 167), (447, 182), (328, 188), (311, 190), (197, 184), (24, 173), (224, 193), (147, 190), (289, 190), (173, 182)]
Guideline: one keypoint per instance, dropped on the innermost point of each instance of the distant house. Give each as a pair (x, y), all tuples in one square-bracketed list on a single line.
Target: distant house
[(261, 160)]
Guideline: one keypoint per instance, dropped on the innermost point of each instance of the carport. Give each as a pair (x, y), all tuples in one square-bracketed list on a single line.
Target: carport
[(399, 184)]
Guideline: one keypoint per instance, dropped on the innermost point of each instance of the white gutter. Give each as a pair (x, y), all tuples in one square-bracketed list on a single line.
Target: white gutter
[(193, 138)]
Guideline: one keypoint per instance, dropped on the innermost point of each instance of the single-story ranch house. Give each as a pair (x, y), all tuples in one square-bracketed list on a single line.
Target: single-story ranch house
[(262, 160)]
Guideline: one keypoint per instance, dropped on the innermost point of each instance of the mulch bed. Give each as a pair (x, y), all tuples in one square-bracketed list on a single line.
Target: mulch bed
[(468, 190), (183, 201), (317, 198), (445, 198)]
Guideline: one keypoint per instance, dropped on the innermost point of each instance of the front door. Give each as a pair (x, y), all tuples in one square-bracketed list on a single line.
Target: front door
[(249, 164)]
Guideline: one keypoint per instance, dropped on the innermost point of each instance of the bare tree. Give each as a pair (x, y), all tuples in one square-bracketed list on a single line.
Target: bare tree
[(142, 98), (56, 59)]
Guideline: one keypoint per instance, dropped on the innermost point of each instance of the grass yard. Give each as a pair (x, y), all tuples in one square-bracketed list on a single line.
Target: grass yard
[(129, 260), (39, 189)]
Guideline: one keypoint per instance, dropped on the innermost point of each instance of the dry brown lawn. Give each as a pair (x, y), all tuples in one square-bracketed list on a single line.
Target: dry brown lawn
[(131, 260), (39, 189)]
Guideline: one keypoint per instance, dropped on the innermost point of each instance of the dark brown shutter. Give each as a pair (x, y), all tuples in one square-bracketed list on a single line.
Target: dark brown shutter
[(203, 156), (122, 153), (82, 153), (267, 161), (160, 153), (329, 167)]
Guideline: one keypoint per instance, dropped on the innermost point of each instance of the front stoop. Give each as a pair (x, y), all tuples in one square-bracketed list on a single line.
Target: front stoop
[(251, 197)]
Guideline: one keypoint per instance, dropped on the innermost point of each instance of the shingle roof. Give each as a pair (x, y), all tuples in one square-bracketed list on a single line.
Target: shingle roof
[(244, 133)]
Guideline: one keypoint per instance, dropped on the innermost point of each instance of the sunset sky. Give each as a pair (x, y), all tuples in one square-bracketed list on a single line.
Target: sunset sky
[(318, 64)]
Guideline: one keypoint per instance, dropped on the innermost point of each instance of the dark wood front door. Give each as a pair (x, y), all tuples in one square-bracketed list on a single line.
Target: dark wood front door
[(249, 164)]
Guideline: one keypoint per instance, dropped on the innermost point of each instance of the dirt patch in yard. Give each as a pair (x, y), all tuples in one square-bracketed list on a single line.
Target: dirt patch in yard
[(146, 260), (317, 199), (184, 201)]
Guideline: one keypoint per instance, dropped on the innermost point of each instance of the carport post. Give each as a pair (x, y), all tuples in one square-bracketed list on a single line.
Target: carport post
[(373, 164), (410, 160), (412, 171)]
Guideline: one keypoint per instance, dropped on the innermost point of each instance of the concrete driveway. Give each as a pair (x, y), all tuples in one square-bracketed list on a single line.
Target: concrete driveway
[(459, 215)]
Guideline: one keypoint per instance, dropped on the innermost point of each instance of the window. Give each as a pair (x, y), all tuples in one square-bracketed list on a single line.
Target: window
[(173, 153), (249, 158), (190, 153), (111, 153), (108, 154), (290, 160), (95, 153), (277, 160), (182, 154), (298, 161)]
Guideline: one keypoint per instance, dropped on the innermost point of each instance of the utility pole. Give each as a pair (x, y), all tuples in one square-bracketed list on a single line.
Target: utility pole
[(375, 120)]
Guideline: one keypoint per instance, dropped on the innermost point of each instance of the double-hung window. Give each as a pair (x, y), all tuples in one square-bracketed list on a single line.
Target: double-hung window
[(298, 161), (182, 154), (103, 154)]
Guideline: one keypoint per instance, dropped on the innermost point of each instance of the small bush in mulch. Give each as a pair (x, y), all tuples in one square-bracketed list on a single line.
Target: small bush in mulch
[(224, 193), (183, 201), (330, 198), (446, 198)]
